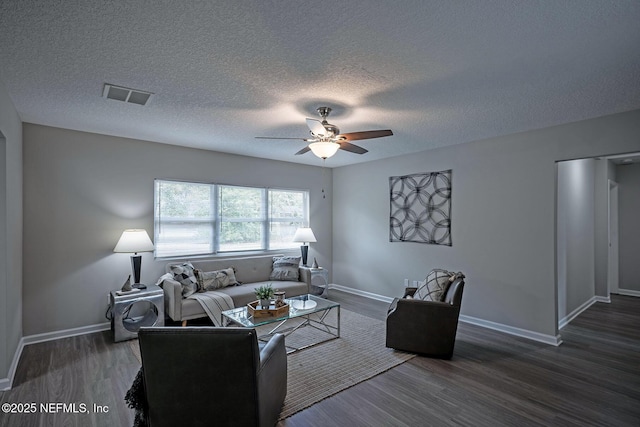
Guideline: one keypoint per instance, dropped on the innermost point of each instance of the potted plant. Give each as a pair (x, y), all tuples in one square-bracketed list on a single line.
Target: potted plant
[(264, 294)]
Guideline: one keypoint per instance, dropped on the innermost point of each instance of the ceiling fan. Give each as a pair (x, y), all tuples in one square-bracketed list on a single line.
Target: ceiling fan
[(326, 138)]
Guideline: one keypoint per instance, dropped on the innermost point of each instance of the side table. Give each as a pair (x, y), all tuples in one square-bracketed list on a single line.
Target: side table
[(319, 281), (132, 311)]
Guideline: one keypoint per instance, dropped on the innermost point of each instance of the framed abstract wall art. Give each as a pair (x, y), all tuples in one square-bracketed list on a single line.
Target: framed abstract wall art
[(420, 208)]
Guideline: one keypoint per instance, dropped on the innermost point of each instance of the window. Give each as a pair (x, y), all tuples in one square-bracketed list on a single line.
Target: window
[(202, 219), (184, 218), (242, 218), (288, 210)]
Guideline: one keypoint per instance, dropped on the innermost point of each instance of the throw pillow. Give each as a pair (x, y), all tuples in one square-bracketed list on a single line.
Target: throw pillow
[(285, 268), (212, 280), (435, 286), (185, 275)]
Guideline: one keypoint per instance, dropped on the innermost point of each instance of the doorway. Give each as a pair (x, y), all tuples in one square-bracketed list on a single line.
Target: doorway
[(612, 258)]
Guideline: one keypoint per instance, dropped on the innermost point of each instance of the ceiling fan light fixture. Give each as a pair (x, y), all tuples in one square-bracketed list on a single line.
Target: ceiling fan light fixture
[(324, 150), (326, 138)]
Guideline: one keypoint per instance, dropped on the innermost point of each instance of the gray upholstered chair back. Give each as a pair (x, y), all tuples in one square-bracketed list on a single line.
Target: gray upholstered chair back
[(211, 376), (454, 293)]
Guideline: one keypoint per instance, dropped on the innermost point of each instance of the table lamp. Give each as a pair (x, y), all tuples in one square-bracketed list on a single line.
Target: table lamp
[(134, 241), (304, 235)]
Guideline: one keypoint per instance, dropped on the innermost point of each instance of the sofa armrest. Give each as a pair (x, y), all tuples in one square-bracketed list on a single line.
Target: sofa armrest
[(272, 380), (172, 299)]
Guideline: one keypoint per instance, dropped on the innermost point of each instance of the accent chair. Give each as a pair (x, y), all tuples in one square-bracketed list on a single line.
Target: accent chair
[(205, 376), (426, 327)]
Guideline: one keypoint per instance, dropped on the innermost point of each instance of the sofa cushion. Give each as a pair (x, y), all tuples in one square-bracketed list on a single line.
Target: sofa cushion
[(185, 275), (435, 286), (285, 268), (212, 280)]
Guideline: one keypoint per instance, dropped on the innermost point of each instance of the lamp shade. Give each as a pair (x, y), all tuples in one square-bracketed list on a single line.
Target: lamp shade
[(324, 150), (304, 234), (133, 241)]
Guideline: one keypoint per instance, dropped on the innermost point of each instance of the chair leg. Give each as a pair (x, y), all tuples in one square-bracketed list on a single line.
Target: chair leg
[(184, 323)]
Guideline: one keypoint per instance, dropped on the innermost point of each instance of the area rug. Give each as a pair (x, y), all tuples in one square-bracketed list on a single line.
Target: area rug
[(319, 372)]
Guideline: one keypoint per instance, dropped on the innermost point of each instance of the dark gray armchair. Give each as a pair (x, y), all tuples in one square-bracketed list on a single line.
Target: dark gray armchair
[(208, 376), (425, 327)]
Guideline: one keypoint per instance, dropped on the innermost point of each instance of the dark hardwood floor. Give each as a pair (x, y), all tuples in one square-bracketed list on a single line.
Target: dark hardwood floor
[(493, 379)]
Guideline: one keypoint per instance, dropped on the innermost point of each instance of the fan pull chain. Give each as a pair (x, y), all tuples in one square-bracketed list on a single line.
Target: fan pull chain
[(324, 196)]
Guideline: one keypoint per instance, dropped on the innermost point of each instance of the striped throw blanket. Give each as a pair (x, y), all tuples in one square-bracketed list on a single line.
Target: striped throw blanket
[(213, 303)]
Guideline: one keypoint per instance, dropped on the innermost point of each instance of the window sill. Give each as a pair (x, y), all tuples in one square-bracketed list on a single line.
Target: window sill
[(223, 255)]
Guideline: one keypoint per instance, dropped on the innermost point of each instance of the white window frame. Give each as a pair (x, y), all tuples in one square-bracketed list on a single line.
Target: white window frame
[(216, 220)]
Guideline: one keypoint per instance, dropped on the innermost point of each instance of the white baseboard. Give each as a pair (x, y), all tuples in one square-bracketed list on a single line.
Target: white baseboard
[(606, 300), (511, 330), (575, 313), (629, 292), (6, 383), (369, 295), (66, 333), (535, 336)]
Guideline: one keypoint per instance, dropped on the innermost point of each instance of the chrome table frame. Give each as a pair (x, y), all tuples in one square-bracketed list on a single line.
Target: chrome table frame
[(315, 318)]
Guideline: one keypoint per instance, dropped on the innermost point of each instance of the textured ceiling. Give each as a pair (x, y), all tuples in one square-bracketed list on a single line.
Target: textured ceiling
[(435, 72)]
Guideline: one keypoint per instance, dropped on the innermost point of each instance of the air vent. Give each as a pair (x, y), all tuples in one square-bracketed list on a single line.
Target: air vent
[(125, 94)]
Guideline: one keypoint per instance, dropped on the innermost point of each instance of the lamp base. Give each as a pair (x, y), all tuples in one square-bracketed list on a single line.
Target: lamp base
[(305, 253), (139, 286), (136, 263)]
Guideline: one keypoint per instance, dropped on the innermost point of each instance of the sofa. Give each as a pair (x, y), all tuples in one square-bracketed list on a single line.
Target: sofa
[(249, 272)]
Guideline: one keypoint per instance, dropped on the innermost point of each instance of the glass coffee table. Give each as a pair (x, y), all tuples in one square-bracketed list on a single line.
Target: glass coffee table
[(311, 320)]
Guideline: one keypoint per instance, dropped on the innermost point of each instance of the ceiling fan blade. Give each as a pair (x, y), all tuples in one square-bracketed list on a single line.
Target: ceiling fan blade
[(344, 145), (304, 150), (316, 127), (279, 137), (367, 134)]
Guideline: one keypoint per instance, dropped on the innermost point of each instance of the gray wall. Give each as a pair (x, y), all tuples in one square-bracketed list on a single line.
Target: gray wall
[(503, 219), (576, 234), (11, 234), (628, 177), (82, 190)]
